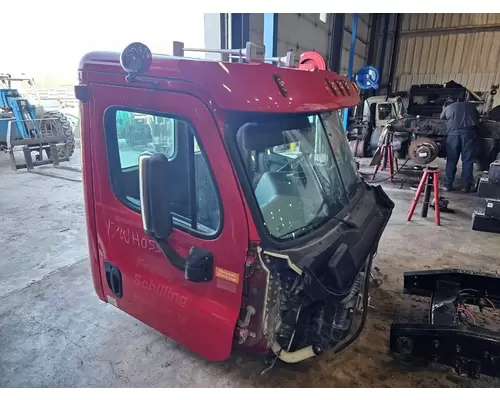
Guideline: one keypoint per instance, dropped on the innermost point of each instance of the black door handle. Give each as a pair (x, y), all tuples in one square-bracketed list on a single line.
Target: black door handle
[(114, 278)]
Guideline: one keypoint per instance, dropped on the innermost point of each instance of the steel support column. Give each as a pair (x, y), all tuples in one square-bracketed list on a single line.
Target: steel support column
[(271, 34), (372, 45), (372, 39), (384, 49), (336, 38), (352, 51), (394, 55)]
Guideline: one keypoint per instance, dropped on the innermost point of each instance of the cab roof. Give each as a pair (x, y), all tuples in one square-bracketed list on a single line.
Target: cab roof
[(249, 87)]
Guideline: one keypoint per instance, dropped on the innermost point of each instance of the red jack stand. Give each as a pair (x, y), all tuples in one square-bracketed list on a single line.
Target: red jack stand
[(388, 156), (430, 179)]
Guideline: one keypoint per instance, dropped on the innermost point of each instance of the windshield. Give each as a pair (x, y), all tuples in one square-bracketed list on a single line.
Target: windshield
[(386, 111), (300, 168)]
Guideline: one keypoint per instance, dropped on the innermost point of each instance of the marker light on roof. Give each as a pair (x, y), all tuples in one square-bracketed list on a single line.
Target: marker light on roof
[(332, 87), (346, 87), (341, 88), (136, 58), (281, 85)]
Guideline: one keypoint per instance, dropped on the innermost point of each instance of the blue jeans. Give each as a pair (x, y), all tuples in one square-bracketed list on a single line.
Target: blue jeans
[(460, 142)]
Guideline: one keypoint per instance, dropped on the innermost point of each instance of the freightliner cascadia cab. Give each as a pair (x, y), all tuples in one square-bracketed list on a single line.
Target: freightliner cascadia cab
[(224, 208)]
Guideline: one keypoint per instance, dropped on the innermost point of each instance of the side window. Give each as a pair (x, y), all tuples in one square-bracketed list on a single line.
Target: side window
[(139, 132), (385, 111), (195, 201)]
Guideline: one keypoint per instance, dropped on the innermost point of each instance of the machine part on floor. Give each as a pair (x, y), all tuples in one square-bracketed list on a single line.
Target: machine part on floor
[(492, 208), (423, 151), (494, 172), (277, 270), (487, 189), (450, 334), (443, 205), (483, 223), (31, 129)]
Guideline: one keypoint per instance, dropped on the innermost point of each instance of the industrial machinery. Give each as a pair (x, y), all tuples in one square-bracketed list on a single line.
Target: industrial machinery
[(365, 131), (249, 226), (427, 100), (487, 218), (460, 327), (26, 126), (420, 138)]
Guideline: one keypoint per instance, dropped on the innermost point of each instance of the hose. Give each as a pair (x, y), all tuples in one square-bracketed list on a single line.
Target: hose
[(294, 356), (391, 176), (310, 351), (361, 326)]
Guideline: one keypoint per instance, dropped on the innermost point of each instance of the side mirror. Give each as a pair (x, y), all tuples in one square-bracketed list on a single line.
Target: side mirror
[(154, 173), (154, 195)]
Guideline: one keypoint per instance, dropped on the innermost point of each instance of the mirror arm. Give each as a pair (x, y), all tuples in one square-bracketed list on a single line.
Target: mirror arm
[(199, 267), (172, 256)]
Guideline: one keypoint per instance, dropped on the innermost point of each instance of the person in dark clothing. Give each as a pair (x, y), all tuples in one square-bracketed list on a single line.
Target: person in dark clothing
[(461, 124)]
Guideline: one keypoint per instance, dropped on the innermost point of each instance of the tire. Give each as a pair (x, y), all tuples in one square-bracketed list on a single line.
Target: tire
[(54, 123)]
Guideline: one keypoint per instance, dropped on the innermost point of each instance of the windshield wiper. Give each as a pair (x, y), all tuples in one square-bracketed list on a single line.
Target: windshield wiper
[(316, 222), (347, 223), (344, 221), (326, 196)]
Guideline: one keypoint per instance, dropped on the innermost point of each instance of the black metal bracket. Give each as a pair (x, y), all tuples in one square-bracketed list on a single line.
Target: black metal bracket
[(469, 349)]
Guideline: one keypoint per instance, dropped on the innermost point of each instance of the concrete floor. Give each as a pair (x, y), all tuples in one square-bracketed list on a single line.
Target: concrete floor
[(54, 332)]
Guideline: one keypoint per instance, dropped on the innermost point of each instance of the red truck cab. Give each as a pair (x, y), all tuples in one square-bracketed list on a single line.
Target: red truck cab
[(223, 205)]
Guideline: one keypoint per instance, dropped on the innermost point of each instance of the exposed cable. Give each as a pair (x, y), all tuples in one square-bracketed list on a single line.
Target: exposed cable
[(366, 290), (390, 176), (464, 310), (492, 304)]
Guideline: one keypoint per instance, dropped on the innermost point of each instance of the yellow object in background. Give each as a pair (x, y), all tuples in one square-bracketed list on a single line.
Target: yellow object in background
[(292, 146)]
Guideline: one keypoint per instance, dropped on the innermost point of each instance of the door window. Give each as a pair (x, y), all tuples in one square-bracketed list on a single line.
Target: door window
[(385, 111), (195, 200)]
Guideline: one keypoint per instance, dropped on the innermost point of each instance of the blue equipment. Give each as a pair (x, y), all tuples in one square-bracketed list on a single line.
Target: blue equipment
[(367, 78), (23, 124)]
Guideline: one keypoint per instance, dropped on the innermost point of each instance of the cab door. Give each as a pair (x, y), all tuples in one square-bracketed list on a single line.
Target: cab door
[(207, 213)]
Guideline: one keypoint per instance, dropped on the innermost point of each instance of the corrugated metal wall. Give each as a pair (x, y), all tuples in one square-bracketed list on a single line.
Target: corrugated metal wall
[(362, 41), (302, 32), (437, 48)]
